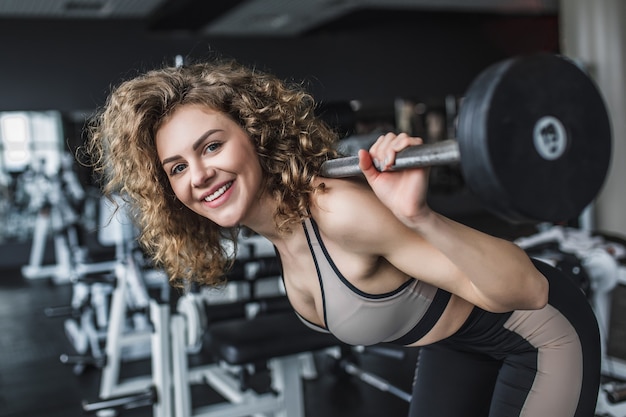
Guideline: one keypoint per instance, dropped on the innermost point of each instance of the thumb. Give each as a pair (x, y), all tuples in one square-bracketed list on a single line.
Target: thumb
[(367, 165)]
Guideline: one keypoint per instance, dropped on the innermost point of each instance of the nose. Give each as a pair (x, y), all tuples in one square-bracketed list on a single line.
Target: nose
[(201, 174)]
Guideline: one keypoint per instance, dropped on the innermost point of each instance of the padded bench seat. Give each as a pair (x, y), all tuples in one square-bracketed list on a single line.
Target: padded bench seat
[(268, 336)]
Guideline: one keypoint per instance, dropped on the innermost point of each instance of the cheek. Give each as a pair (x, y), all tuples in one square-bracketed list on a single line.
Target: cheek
[(256, 174), (177, 189)]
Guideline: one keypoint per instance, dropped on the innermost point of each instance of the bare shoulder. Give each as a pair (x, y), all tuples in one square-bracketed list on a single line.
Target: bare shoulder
[(341, 201), (349, 212)]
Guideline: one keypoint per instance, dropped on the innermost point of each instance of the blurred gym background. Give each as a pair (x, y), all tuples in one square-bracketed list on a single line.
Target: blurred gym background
[(373, 65)]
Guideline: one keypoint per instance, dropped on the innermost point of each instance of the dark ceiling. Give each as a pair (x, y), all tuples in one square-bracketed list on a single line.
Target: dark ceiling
[(240, 18)]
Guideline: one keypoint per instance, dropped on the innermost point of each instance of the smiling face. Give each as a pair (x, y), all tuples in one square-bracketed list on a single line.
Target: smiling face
[(211, 164)]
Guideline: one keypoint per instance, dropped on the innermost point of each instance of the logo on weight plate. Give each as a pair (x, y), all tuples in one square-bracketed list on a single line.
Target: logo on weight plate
[(550, 138)]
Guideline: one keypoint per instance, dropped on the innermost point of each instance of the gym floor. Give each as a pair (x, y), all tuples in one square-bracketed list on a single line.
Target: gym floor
[(34, 383)]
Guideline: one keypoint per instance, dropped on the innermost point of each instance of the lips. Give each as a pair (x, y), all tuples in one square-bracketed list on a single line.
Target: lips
[(219, 192)]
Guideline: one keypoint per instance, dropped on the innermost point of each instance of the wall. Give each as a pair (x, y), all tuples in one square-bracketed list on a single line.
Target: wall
[(70, 65), (594, 33)]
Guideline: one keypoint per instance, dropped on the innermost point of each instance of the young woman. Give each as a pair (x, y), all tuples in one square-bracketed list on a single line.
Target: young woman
[(202, 150)]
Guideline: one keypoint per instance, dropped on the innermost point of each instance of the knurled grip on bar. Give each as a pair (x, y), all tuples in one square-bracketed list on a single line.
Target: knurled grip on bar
[(445, 152)]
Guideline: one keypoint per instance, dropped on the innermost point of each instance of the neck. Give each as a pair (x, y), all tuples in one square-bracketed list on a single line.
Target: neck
[(260, 219)]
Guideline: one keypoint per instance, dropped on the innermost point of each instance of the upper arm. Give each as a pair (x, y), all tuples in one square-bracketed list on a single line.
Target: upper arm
[(362, 225)]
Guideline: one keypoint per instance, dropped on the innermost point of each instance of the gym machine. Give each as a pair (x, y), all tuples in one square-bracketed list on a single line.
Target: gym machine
[(56, 202), (107, 321), (253, 349)]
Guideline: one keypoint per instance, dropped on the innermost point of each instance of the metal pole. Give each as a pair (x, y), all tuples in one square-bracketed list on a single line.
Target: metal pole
[(445, 152)]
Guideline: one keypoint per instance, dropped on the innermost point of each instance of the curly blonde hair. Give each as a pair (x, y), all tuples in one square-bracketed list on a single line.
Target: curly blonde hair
[(279, 118)]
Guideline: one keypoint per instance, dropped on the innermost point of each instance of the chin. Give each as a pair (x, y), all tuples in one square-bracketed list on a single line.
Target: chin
[(221, 221), (227, 223)]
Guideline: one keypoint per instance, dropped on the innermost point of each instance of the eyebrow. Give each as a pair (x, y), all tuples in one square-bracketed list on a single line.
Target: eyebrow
[(195, 145)]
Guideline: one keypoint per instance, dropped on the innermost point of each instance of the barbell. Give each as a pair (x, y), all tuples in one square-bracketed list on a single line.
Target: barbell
[(533, 140)]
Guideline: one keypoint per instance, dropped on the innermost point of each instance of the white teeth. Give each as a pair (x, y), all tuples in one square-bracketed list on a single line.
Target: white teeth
[(218, 193)]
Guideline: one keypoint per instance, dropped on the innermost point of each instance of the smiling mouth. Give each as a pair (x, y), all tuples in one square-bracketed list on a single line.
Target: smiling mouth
[(219, 192)]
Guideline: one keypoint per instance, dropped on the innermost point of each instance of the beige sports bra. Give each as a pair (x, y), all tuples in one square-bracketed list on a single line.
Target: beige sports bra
[(402, 316)]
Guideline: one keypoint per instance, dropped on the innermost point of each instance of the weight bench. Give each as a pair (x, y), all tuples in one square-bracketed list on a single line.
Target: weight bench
[(257, 366), (252, 352)]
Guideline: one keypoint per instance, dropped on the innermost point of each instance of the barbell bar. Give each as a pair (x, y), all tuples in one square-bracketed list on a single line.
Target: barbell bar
[(533, 140), (445, 152)]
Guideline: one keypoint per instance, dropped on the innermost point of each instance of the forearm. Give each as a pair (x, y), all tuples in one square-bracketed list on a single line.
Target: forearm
[(499, 272)]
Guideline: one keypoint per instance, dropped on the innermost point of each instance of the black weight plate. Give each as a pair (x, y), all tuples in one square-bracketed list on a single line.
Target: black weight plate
[(500, 159)]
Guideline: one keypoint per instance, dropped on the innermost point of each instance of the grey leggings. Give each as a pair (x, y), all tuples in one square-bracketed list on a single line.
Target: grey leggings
[(525, 363)]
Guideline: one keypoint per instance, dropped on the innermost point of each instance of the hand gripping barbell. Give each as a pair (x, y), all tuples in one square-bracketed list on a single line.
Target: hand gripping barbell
[(533, 142)]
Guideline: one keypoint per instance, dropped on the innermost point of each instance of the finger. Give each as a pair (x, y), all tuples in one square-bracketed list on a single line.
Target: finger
[(382, 152), (375, 149), (403, 141), (382, 142), (388, 147), (366, 164)]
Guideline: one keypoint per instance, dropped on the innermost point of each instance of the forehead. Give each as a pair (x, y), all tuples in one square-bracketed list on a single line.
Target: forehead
[(191, 115), (189, 123)]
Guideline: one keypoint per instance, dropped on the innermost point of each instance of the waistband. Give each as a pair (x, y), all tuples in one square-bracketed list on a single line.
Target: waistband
[(428, 321)]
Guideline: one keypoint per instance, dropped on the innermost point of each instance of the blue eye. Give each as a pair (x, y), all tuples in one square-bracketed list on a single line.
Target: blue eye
[(212, 147), (176, 169)]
